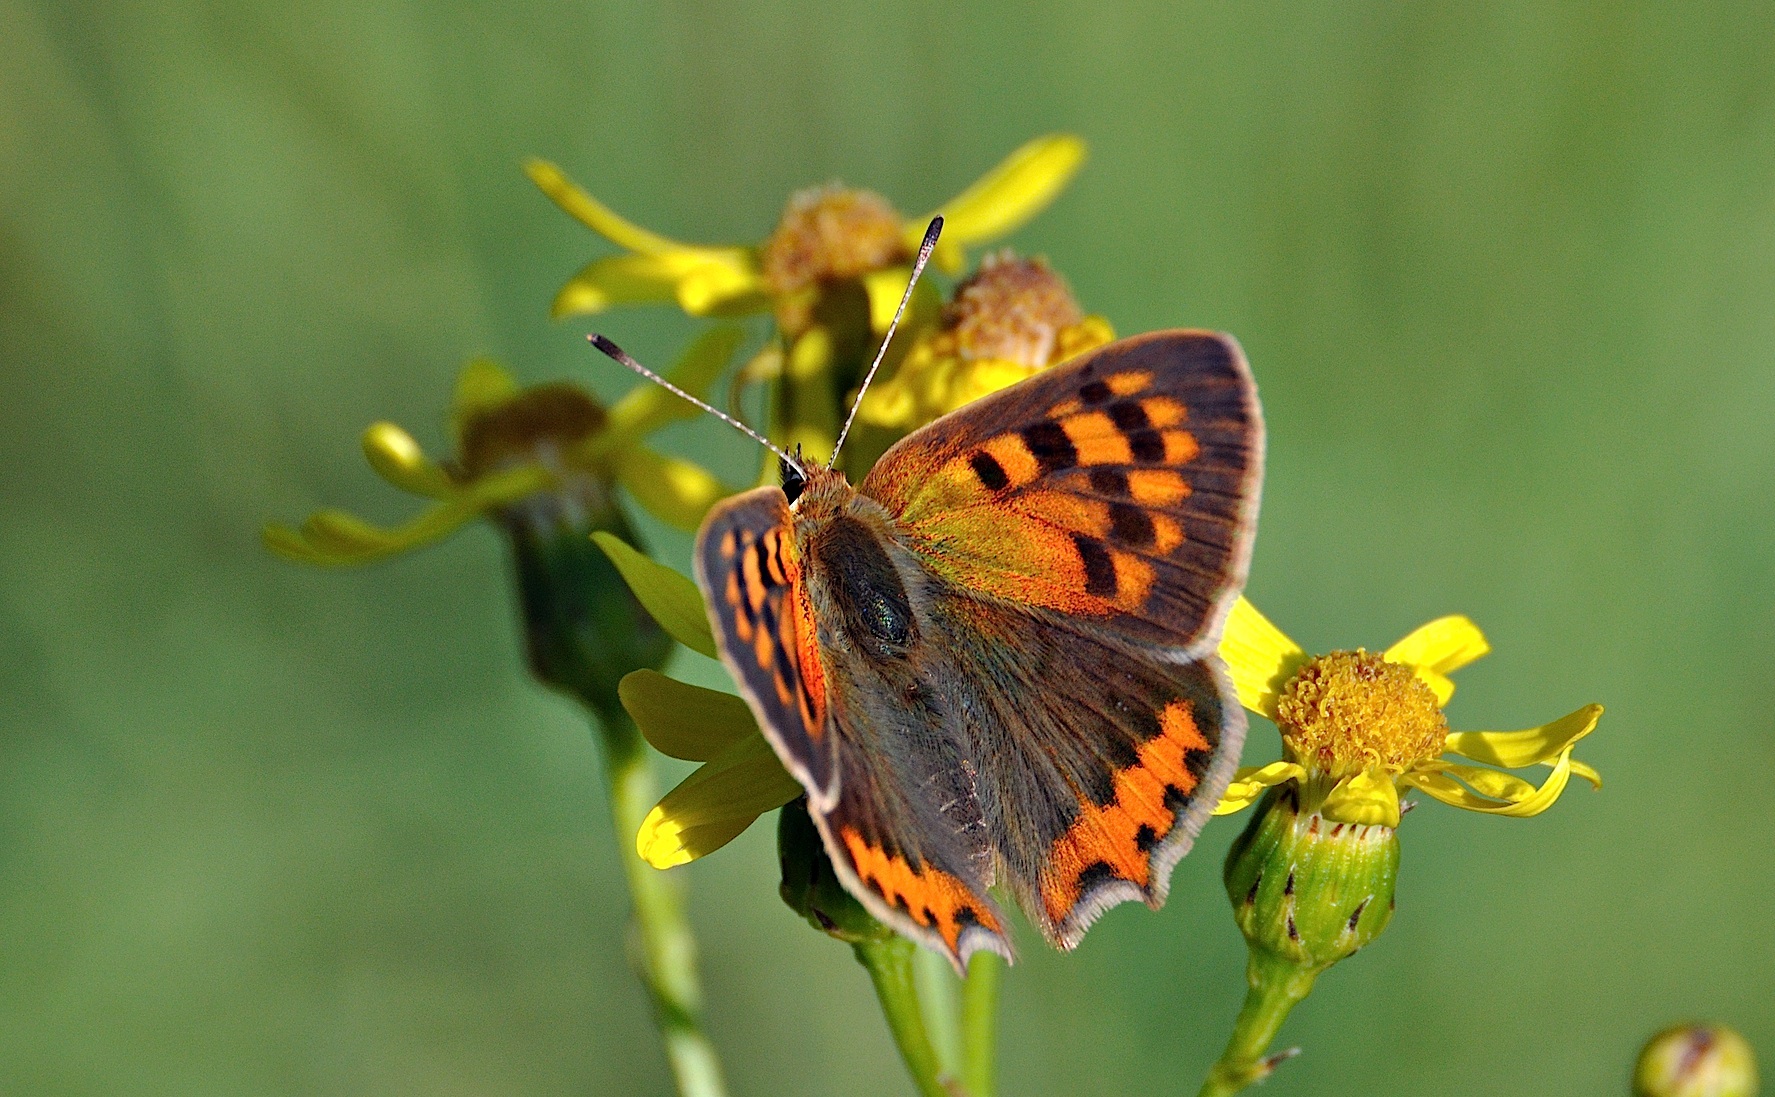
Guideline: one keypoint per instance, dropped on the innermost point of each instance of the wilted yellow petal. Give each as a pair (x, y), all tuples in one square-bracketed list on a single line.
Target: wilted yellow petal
[(482, 386), (714, 804), (398, 458), (1251, 781), (1260, 657), (1515, 749), (1366, 798), (335, 538), (1004, 198), (676, 491), (672, 599), (1438, 649), (592, 213), (682, 720), (648, 406), (1530, 801)]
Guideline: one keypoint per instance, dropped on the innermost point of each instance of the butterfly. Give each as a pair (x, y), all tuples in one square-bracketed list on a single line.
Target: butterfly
[(992, 663)]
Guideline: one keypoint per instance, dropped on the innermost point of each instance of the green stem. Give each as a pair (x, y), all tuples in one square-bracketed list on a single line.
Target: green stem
[(979, 1024), (1276, 987), (890, 964), (667, 949)]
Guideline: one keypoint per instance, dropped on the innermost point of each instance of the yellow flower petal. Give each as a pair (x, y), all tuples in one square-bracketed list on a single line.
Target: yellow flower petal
[(334, 538), (1438, 649), (1004, 198), (1260, 657), (682, 720), (592, 213), (622, 280), (677, 492), (1535, 746), (714, 804), (672, 599), (648, 407), (1251, 781), (1532, 802), (725, 283), (884, 288), (1368, 798), (482, 386), (398, 458)]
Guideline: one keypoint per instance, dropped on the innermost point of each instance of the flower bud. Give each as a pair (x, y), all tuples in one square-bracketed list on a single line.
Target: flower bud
[(1696, 1061), (810, 884), (1308, 891)]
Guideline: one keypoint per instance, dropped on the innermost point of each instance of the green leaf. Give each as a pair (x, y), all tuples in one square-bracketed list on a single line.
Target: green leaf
[(672, 599), (682, 720)]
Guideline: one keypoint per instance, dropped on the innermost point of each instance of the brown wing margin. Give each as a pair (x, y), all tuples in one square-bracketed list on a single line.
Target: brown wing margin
[(1121, 486), (751, 577)]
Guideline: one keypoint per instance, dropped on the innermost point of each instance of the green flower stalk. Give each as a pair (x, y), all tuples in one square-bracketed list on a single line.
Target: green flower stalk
[(543, 464)]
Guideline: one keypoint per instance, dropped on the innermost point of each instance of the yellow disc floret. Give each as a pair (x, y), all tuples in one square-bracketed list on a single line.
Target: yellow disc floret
[(1351, 711), (828, 234)]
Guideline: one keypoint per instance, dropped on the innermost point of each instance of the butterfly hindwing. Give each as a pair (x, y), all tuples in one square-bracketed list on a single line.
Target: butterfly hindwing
[(750, 570), (1119, 487), (1098, 760), (905, 830)]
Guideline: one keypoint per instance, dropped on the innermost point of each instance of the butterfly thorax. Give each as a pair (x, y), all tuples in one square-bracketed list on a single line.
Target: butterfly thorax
[(856, 581)]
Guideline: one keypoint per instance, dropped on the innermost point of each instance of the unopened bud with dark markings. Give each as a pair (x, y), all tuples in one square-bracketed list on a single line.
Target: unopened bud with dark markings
[(1696, 1061), (810, 884)]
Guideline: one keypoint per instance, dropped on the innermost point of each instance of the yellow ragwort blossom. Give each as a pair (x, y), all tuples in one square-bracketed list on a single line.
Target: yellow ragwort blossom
[(1360, 728), (826, 234), (513, 443), (1006, 321)]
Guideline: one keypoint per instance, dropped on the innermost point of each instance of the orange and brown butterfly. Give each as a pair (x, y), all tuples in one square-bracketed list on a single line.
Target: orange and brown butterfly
[(993, 661)]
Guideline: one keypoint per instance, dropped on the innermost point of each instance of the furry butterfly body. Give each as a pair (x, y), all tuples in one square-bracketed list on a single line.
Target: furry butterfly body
[(992, 662)]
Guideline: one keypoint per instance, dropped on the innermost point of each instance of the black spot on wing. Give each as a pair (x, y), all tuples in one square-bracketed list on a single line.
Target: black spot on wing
[(1050, 446), (1131, 525), (1111, 482), (1148, 447), (991, 473), (1100, 570), (1146, 838), (1129, 416), (1094, 393), (1095, 874)]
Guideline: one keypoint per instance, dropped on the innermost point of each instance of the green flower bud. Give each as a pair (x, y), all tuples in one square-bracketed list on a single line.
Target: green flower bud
[(810, 883), (1696, 1061), (1308, 891)]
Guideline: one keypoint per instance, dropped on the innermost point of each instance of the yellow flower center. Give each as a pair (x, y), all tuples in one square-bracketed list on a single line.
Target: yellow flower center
[(536, 424), (1011, 309), (829, 234), (1351, 711)]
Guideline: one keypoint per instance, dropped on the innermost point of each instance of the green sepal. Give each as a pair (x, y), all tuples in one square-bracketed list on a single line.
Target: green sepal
[(672, 599), (1308, 890), (682, 720), (810, 884)]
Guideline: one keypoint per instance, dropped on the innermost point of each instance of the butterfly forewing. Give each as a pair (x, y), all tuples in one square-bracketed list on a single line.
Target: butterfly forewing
[(1121, 486), (750, 570)]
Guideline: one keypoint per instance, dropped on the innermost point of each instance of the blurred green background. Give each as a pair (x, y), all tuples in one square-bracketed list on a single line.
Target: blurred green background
[(1507, 276)]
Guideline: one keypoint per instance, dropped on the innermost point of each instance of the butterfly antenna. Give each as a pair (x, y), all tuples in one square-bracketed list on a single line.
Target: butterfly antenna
[(615, 352), (934, 230)]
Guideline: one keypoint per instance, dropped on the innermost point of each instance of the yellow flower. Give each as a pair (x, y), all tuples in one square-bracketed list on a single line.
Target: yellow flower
[(1008, 320), (826, 234), (513, 443), (1360, 728)]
